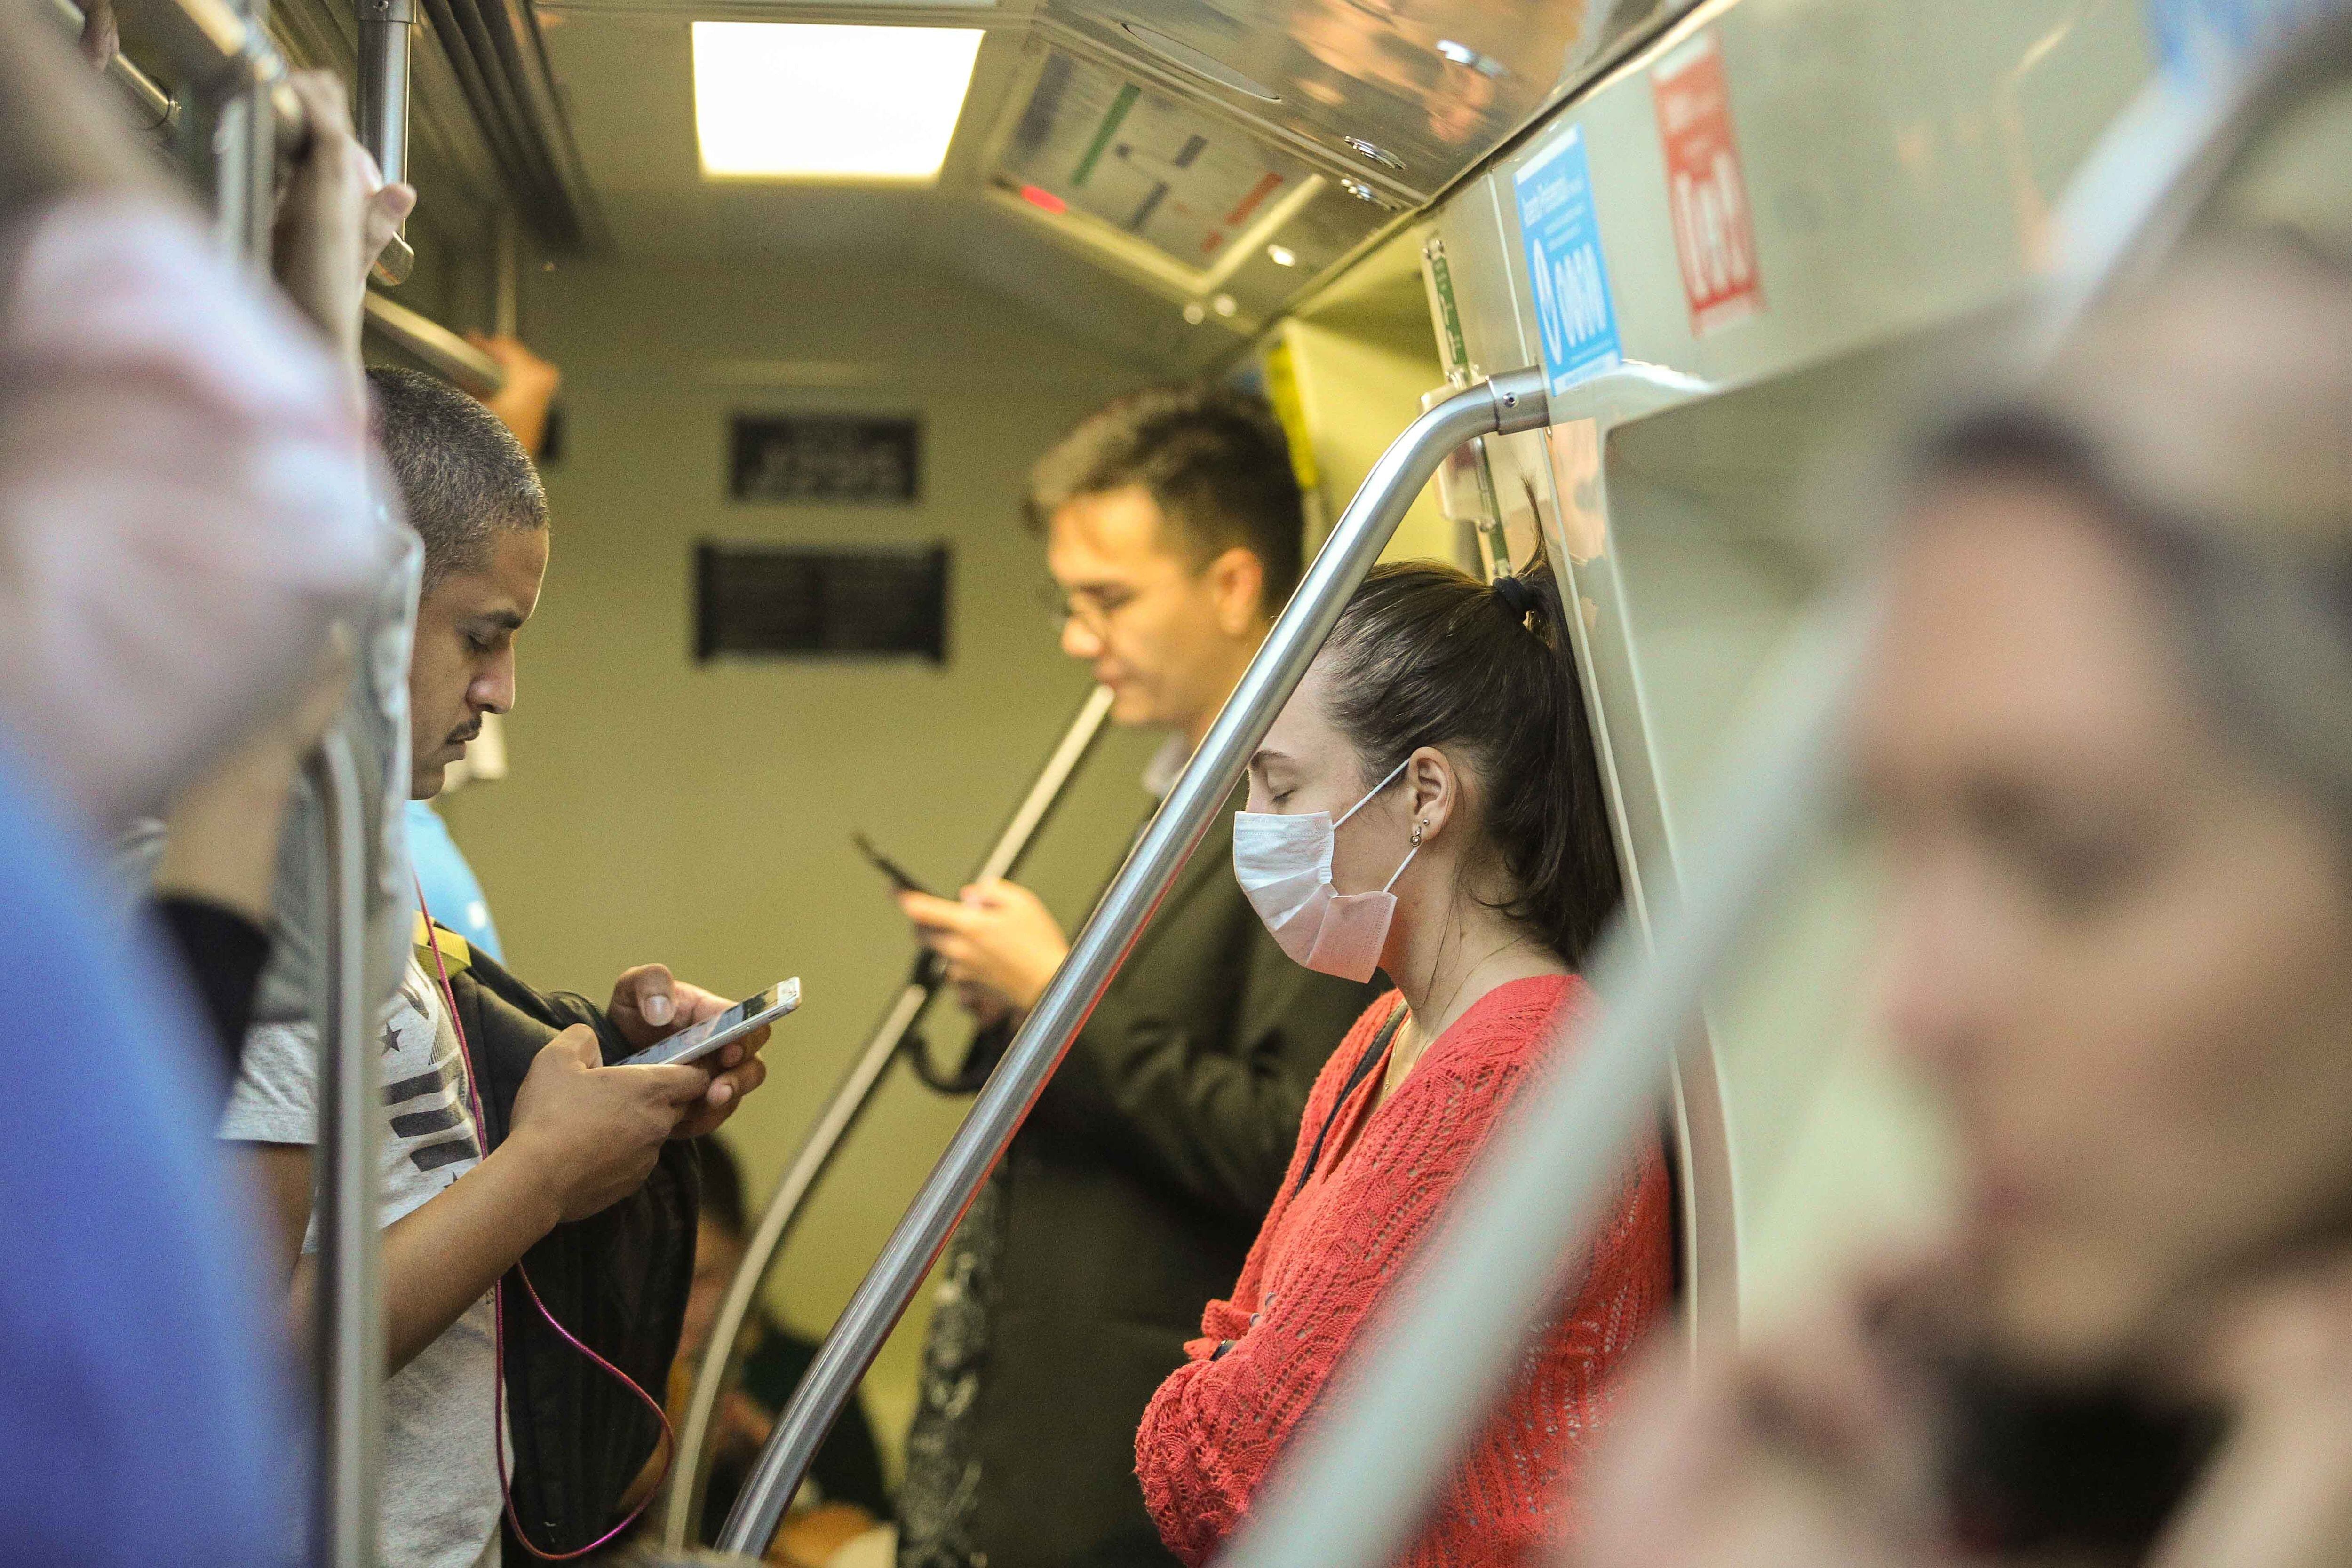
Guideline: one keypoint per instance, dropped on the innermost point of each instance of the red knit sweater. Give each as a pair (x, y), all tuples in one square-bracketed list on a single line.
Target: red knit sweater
[(1331, 1249)]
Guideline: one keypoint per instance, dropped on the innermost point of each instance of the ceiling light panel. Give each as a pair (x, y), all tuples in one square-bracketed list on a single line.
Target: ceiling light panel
[(797, 100)]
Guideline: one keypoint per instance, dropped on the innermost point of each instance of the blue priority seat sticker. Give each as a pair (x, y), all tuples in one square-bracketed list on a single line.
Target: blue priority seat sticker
[(1570, 280)]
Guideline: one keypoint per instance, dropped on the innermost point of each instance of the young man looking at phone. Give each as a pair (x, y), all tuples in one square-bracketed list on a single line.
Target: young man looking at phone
[(1173, 533), (580, 1137)]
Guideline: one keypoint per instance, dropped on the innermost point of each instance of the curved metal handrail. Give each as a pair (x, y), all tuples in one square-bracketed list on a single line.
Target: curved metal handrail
[(841, 1113), (1509, 402)]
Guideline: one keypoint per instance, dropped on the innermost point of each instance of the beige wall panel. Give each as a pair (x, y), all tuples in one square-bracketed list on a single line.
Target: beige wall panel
[(700, 815)]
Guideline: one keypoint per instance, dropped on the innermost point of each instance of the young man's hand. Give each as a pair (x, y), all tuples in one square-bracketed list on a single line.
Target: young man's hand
[(594, 1131), (997, 937), (649, 1005)]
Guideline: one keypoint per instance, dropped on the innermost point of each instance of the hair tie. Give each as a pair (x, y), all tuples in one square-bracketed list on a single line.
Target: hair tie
[(1518, 596)]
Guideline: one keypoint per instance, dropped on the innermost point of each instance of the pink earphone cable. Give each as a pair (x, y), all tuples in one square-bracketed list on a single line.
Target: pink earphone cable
[(499, 1311)]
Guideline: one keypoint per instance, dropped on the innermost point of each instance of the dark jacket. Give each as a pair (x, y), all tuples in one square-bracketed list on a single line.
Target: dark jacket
[(617, 1279), (1131, 1196)]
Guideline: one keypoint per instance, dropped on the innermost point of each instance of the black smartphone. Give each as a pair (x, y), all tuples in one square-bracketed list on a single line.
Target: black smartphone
[(888, 867)]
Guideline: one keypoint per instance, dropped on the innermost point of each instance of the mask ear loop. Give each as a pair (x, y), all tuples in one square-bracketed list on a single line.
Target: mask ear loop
[(1375, 790), (1416, 849), (669, 1444)]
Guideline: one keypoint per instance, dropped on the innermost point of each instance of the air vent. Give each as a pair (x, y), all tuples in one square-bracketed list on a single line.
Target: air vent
[(1177, 52)]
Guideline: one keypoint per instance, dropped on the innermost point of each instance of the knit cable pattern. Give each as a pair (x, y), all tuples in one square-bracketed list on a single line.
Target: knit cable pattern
[(1329, 1251)]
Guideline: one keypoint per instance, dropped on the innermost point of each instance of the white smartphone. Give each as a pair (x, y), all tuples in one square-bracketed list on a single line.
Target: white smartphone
[(698, 1040)]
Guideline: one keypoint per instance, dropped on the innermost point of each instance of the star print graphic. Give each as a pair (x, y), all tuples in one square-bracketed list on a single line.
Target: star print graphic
[(391, 1040)]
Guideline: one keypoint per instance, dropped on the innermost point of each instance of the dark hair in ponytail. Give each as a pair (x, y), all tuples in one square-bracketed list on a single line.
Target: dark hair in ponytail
[(1426, 654)]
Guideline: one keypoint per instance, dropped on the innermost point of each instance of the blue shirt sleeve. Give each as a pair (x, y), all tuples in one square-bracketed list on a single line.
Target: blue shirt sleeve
[(144, 1399), (451, 890)]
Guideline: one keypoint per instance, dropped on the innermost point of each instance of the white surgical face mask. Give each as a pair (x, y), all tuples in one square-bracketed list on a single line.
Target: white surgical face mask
[(1284, 864)]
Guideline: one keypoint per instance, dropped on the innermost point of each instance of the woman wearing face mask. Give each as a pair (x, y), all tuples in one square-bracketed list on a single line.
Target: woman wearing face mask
[(2107, 733), (1427, 805)]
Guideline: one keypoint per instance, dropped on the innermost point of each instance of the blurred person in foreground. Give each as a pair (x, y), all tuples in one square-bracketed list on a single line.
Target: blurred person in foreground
[(2106, 735), (183, 512)]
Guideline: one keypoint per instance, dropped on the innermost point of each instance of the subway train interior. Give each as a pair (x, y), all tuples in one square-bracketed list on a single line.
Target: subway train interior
[(1897, 456)]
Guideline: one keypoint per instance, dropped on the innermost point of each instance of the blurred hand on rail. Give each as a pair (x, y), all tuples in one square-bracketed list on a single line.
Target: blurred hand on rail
[(999, 943), (334, 217), (649, 1004), (532, 383)]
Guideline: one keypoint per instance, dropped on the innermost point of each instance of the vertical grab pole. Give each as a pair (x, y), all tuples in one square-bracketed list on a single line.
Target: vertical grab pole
[(841, 1113), (387, 33), (1509, 402), (229, 145), (349, 1352)]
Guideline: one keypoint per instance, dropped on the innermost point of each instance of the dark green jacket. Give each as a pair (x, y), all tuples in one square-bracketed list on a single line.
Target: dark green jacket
[(1131, 1196)]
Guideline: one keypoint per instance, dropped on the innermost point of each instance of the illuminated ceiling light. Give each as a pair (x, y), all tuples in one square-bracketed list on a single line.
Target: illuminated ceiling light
[(1225, 305), (1195, 312), (798, 100), (1281, 256)]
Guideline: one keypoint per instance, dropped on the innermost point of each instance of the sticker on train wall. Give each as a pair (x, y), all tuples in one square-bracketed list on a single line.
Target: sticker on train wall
[(1562, 236), (1715, 233)]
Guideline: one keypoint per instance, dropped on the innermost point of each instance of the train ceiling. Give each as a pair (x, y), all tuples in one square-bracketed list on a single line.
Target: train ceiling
[(1160, 176)]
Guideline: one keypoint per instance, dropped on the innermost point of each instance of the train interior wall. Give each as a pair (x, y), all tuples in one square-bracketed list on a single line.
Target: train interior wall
[(699, 814)]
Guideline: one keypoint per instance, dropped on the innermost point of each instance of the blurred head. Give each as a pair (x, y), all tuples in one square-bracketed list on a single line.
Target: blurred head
[(1431, 668), (472, 495), (718, 1244), (1173, 528), (2105, 733)]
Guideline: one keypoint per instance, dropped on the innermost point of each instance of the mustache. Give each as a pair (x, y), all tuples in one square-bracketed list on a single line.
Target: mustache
[(465, 733)]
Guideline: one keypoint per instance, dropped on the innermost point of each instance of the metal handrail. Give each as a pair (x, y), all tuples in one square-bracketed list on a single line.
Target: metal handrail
[(348, 1343), (141, 89), (217, 53), (1509, 402), (438, 348), (1403, 1402), (387, 33), (842, 1111)]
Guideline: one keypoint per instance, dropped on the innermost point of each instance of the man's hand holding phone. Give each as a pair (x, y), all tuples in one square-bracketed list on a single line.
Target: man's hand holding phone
[(592, 1132), (649, 1004), (998, 936)]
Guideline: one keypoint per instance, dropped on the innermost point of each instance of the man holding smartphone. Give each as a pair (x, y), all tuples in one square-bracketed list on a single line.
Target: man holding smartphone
[(1173, 532), (581, 1173)]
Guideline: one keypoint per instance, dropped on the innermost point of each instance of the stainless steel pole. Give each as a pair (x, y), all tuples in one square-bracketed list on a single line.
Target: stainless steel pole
[(387, 33), (349, 1349), (156, 109), (1509, 402), (841, 1113), (445, 353)]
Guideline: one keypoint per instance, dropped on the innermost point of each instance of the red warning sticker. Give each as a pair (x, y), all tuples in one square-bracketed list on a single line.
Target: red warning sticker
[(1714, 235)]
